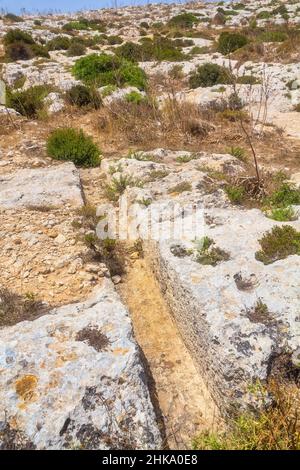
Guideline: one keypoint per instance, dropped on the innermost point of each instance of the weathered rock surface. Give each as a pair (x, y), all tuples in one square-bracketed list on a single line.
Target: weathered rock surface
[(74, 379), (212, 305), (56, 185)]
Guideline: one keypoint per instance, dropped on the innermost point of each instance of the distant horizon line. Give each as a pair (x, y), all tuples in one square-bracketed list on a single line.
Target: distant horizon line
[(111, 4)]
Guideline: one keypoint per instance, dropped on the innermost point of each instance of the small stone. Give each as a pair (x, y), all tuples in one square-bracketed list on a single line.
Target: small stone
[(116, 279)]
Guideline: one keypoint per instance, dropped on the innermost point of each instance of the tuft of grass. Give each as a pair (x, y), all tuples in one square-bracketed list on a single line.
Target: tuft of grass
[(236, 194), (208, 75), (209, 254), (282, 214), (274, 428), (30, 102), (118, 186), (278, 243), (104, 69), (73, 145)]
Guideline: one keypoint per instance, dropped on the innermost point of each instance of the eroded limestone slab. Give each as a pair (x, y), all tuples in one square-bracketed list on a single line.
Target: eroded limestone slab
[(74, 379)]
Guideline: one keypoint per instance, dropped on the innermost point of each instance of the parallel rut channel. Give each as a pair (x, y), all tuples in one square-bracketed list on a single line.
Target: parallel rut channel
[(185, 404)]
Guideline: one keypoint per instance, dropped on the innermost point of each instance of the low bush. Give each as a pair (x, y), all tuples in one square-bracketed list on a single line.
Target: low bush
[(70, 144), (104, 69), (183, 20), (113, 40), (118, 186), (208, 75), (13, 18), (83, 96), (29, 102), (76, 49), (273, 428), (278, 243), (16, 35), (235, 193), (230, 42), (134, 97), (247, 80), (20, 45)]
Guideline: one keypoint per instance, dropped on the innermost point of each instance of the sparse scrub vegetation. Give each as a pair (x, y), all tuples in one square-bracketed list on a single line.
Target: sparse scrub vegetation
[(278, 243), (105, 69)]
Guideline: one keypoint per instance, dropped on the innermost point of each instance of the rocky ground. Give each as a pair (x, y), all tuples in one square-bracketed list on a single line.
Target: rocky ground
[(149, 341)]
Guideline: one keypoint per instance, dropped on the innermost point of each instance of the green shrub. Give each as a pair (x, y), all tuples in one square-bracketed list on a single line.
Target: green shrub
[(106, 69), (134, 97), (157, 49), (208, 75), (73, 145), (235, 193), (230, 42), (183, 20), (59, 43), (108, 90), (272, 36), (29, 102), (263, 15), (83, 96), (278, 243)]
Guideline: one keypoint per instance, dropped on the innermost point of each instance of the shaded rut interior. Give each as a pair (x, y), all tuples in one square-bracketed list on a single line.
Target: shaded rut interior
[(184, 403)]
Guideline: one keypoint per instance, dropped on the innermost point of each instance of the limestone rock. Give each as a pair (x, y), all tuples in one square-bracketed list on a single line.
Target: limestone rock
[(74, 379), (57, 185)]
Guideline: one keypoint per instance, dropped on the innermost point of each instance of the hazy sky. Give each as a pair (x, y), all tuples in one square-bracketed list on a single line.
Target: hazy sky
[(15, 6)]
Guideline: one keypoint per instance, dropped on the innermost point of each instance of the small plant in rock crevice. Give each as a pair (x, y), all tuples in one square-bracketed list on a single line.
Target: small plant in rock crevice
[(278, 243)]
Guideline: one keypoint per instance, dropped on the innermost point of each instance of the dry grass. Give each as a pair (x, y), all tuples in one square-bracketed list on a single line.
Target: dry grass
[(15, 308), (149, 125)]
